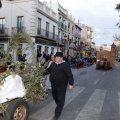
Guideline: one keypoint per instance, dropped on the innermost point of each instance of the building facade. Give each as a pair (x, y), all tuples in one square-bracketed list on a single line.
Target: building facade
[(33, 17), (62, 26), (71, 35), (87, 44), (117, 43), (77, 39), (103, 47)]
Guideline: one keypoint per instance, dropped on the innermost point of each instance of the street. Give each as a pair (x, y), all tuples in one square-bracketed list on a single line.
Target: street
[(96, 96)]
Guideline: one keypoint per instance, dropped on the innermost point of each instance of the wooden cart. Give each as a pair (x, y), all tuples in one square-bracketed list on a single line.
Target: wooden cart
[(109, 55)]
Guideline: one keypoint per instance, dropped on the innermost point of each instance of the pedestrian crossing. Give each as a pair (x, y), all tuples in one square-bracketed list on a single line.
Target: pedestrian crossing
[(90, 111), (48, 111)]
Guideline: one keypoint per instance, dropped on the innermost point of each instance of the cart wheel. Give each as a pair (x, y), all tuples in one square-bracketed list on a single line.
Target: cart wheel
[(17, 110)]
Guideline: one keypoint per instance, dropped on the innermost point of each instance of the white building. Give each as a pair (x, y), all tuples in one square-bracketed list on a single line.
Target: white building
[(71, 34), (77, 39), (62, 25), (33, 17), (103, 47)]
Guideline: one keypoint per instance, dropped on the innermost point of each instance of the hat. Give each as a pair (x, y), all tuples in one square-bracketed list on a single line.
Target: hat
[(59, 54)]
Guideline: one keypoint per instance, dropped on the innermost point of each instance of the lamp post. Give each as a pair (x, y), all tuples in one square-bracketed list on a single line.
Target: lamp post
[(65, 37)]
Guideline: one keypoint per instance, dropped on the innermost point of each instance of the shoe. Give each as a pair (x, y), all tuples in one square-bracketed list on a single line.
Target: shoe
[(55, 118)]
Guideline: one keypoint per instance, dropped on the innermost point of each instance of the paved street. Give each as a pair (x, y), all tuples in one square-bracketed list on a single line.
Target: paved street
[(96, 96)]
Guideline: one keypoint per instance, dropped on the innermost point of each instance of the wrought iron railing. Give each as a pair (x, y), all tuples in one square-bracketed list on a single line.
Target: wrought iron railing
[(18, 30), (47, 34), (4, 31)]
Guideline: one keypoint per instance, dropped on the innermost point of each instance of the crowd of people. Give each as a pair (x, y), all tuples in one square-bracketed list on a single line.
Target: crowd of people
[(80, 62), (74, 62)]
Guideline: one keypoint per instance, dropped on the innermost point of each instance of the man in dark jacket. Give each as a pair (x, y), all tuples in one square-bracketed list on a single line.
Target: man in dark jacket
[(60, 77)]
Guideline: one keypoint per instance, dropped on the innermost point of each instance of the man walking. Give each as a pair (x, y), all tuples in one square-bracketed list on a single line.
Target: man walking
[(60, 77)]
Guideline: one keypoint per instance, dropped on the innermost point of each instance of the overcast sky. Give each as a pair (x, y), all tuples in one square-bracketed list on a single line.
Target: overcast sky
[(99, 14)]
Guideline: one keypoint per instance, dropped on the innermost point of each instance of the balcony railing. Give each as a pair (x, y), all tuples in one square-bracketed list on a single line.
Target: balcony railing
[(47, 34), (62, 25), (4, 31), (18, 30), (77, 35)]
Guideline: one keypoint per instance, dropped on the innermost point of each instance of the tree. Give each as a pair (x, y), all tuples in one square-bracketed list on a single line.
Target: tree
[(118, 8), (116, 36), (33, 77)]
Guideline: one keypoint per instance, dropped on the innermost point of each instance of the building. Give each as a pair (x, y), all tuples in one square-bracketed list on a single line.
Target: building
[(77, 40), (86, 40), (62, 26), (71, 35), (31, 16), (117, 43), (103, 47)]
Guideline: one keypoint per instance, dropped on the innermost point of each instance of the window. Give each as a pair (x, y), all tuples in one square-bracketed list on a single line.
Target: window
[(72, 29), (2, 23), (46, 50), (52, 50), (39, 26), (53, 32), (20, 20), (59, 35), (39, 48), (47, 29), (68, 25), (1, 46), (19, 52)]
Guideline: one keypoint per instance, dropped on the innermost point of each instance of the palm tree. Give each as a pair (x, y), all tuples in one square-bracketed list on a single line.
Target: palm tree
[(0, 4), (117, 7)]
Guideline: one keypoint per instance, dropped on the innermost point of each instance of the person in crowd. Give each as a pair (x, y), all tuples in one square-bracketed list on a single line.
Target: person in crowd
[(73, 62), (65, 58), (79, 62), (48, 84), (69, 60), (44, 55), (23, 58), (60, 77), (43, 62), (39, 55)]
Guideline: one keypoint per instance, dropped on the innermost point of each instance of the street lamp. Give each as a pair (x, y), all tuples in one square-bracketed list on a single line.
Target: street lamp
[(65, 43)]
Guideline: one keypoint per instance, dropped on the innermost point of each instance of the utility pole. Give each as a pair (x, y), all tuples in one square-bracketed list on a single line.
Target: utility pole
[(0, 4)]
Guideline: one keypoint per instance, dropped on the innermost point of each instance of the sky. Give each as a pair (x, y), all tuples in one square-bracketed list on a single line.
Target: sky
[(99, 14)]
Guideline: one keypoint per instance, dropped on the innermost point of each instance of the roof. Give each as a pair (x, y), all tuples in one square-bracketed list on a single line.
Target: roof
[(113, 45)]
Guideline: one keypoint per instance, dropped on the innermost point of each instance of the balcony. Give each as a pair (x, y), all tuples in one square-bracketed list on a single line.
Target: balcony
[(18, 30), (62, 25), (47, 34), (4, 31), (77, 35)]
